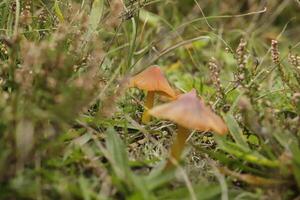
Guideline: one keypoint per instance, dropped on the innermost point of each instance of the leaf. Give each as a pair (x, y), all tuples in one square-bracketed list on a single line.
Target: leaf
[(236, 131), (252, 179), (239, 152), (253, 139), (132, 46), (290, 142), (141, 187), (119, 157), (94, 19), (202, 191), (58, 12), (84, 186), (224, 159), (120, 165), (149, 17), (158, 177), (96, 14)]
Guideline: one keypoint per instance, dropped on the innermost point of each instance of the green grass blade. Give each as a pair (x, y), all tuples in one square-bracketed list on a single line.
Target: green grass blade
[(203, 192), (289, 142), (250, 156), (96, 14), (116, 148), (94, 18), (58, 12), (236, 131)]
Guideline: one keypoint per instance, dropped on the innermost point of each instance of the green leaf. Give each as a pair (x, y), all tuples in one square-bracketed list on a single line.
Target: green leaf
[(94, 19), (236, 132), (290, 142), (141, 188), (84, 186), (158, 177), (58, 12), (96, 14), (118, 154), (149, 17), (239, 152), (132, 45), (202, 191), (253, 139)]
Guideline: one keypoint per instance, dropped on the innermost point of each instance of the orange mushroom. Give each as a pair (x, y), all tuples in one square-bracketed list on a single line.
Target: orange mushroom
[(151, 80), (188, 112)]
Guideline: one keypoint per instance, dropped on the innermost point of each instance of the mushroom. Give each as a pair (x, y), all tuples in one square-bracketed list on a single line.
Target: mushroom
[(188, 112), (151, 80)]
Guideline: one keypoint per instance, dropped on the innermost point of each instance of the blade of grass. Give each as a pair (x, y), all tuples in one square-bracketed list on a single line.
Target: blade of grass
[(250, 156), (236, 131), (58, 12)]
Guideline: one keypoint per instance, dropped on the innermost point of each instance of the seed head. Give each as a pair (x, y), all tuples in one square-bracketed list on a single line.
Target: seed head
[(275, 52)]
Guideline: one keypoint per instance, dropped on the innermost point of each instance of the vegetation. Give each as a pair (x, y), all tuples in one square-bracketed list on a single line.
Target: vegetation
[(71, 128)]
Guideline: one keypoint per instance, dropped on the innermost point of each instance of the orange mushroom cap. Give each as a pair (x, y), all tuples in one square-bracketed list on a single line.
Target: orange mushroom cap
[(152, 79), (190, 112)]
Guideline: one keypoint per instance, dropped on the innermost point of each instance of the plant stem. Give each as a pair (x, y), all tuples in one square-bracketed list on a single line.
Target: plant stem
[(178, 146), (148, 105)]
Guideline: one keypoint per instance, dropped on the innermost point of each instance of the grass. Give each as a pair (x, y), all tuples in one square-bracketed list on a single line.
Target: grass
[(70, 129)]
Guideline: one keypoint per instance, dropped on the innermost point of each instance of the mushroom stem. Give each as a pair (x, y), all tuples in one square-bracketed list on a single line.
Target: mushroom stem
[(148, 105), (178, 146)]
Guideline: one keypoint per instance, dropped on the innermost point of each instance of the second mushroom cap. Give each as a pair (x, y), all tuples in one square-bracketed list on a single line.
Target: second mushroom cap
[(189, 111)]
